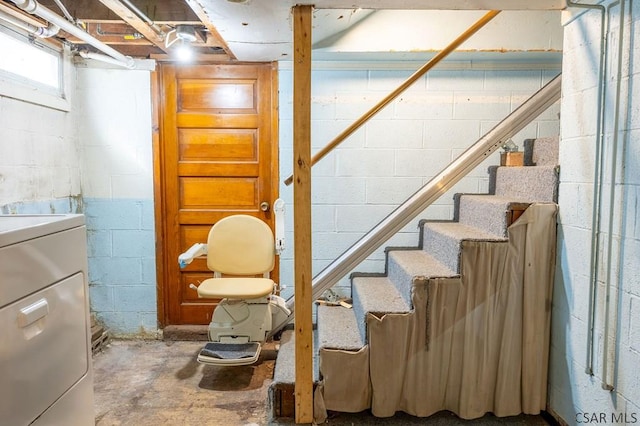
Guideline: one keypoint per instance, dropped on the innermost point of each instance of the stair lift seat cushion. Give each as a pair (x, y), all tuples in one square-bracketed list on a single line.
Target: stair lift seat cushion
[(235, 288), (242, 246)]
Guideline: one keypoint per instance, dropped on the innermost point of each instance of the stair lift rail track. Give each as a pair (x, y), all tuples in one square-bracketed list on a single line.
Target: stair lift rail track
[(436, 187)]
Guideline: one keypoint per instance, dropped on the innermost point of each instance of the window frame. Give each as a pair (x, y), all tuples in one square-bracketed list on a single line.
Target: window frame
[(23, 88)]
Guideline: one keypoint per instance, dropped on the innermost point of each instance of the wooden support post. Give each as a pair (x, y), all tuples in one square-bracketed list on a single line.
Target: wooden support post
[(302, 212)]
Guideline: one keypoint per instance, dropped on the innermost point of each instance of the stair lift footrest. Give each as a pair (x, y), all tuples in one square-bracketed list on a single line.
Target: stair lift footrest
[(217, 353)]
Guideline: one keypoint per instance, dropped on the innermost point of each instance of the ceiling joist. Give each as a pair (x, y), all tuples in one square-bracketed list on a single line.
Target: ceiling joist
[(138, 24), (214, 38)]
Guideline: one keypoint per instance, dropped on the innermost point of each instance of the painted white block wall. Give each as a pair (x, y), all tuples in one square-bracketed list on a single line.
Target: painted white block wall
[(574, 395), (413, 32), (39, 164), (404, 145), (114, 113)]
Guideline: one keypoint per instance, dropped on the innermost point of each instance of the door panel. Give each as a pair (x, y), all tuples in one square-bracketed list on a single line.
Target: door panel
[(228, 193), (238, 145), (218, 157), (224, 95)]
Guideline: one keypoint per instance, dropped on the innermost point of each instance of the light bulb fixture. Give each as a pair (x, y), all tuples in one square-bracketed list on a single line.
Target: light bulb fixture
[(184, 52), (184, 33)]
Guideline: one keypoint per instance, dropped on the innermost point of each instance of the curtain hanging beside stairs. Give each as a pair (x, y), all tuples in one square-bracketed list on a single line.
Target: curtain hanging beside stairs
[(481, 338)]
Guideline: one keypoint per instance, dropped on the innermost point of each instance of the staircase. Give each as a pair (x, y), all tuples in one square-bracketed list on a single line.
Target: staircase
[(460, 322)]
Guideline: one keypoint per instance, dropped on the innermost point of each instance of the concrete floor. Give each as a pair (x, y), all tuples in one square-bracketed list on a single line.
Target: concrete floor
[(161, 383)]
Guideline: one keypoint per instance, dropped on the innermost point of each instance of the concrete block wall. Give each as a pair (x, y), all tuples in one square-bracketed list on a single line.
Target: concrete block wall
[(39, 160), (95, 159), (114, 113), (400, 149), (574, 396)]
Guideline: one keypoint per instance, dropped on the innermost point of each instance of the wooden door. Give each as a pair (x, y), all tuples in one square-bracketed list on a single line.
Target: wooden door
[(217, 156)]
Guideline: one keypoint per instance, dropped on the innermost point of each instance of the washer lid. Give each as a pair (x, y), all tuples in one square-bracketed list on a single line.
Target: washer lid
[(17, 228)]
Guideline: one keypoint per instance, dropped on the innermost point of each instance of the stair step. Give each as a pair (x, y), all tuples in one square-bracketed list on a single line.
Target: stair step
[(542, 151), (404, 265), (375, 295), (490, 213), (338, 329), (443, 240), (284, 372), (528, 184)]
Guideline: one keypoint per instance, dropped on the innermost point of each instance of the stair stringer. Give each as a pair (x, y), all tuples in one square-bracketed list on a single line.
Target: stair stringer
[(471, 344)]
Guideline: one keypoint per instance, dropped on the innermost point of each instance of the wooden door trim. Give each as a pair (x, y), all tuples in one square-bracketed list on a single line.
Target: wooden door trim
[(157, 98), (159, 183)]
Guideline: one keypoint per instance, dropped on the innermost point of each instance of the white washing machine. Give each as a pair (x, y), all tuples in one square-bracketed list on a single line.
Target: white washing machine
[(45, 343)]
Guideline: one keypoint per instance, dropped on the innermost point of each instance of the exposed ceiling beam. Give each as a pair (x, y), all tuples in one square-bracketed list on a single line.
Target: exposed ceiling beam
[(158, 10), (198, 57), (159, 23), (214, 38), (432, 4), (130, 18)]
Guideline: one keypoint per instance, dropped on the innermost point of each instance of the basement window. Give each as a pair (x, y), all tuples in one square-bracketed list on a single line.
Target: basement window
[(32, 70)]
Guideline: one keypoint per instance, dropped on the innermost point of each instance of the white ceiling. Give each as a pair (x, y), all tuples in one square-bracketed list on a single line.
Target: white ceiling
[(260, 30)]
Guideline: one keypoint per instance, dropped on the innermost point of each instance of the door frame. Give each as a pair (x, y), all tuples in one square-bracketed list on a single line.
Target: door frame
[(159, 182)]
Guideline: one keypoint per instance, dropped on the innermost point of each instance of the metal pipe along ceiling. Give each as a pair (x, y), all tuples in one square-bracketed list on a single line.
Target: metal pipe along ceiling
[(34, 8), (144, 17)]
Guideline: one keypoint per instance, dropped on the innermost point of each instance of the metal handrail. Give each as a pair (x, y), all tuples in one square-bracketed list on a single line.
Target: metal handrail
[(408, 82), (424, 197)]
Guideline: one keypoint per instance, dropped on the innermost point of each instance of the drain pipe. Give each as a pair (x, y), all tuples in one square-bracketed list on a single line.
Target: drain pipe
[(41, 32), (100, 57), (34, 8), (612, 199), (597, 180), (597, 187)]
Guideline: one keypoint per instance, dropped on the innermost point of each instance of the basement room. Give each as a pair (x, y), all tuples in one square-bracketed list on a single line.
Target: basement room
[(376, 212)]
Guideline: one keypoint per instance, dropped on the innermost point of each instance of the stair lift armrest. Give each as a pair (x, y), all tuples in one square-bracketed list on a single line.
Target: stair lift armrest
[(278, 208), (196, 250)]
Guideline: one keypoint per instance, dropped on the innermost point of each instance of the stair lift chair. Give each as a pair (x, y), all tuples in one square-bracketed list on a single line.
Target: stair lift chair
[(238, 248)]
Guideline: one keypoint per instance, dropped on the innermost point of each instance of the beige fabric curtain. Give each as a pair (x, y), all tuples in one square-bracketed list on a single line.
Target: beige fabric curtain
[(471, 345)]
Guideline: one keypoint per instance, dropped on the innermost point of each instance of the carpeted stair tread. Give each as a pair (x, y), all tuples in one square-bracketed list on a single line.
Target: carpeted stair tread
[(488, 212), (460, 231), (529, 184), (284, 372), (378, 294), (338, 329), (404, 265), (442, 240), (375, 295), (542, 151)]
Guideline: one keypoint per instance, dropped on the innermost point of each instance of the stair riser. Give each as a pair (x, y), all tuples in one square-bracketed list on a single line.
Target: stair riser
[(527, 184), (359, 310), (541, 151), (488, 217), (442, 247), (375, 294), (400, 278)]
